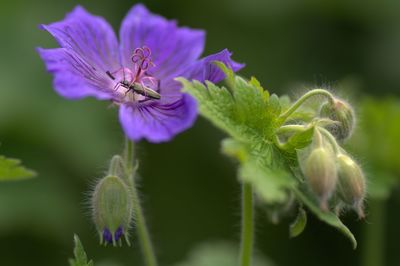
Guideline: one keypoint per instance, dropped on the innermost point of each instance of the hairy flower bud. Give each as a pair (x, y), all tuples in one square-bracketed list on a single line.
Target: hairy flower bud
[(341, 112), (351, 184), (112, 209), (320, 170)]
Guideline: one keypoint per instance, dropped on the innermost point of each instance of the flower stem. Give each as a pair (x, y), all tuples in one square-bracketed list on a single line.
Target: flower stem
[(374, 237), (283, 117), (247, 238), (331, 139), (141, 227), (291, 128)]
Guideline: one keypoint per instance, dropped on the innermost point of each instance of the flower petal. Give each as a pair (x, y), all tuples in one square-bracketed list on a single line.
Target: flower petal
[(158, 122), (173, 48), (73, 77), (205, 69), (89, 36)]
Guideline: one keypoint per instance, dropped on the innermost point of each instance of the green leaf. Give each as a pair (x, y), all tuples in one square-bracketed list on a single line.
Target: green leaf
[(80, 254), (219, 254), (328, 217), (299, 224), (11, 169), (275, 107), (243, 110), (270, 182), (229, 74)]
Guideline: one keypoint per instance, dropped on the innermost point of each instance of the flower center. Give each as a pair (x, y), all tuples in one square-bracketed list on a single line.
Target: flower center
[(136, 85)]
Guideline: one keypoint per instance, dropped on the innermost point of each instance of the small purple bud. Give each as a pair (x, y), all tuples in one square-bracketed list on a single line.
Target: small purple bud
[(112, 209), (341, 112), (351, 184), (320, 170)]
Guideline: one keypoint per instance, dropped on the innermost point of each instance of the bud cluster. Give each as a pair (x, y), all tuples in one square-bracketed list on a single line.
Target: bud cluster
[(112, 205), (331, 174)]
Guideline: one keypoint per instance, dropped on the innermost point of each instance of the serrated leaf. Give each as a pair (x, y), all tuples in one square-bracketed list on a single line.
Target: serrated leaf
[(274, 106), (269, 182), (12, 170), (229, 74), (271, 185), (241, 110), (80, 254), (253, 81), (325, 216), (299, 224)]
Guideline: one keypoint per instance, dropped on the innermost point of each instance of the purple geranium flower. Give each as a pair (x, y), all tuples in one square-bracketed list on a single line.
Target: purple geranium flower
[(137, 74)]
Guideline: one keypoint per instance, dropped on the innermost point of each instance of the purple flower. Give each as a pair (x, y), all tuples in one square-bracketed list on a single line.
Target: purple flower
[(137, 74)]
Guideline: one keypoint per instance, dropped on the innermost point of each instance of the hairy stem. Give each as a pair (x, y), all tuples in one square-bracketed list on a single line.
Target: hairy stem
[(374, 234), (247, 238), (304, 98), (331, 139), (291, 128), (140, 222)]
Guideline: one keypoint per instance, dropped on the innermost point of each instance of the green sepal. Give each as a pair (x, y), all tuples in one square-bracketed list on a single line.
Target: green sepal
[(299, 140)]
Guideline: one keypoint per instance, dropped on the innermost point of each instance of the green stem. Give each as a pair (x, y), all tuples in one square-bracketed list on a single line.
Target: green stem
[(303, 98), (247, 238), (140, 222), (291, 128), (331, 139), (374, 234)]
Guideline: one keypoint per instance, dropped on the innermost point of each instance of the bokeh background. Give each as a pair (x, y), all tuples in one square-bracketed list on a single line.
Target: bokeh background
[(190, 191)]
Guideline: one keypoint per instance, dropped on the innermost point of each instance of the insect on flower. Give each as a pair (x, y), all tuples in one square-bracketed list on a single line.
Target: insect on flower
[(141, 59), (137, 73)]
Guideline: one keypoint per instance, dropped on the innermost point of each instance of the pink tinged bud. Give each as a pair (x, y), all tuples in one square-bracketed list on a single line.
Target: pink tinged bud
[(341, 112), (351, 184), (321, 174), (112, 210)]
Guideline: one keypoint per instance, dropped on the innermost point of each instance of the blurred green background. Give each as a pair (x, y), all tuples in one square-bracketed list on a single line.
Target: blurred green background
[(190, 191)]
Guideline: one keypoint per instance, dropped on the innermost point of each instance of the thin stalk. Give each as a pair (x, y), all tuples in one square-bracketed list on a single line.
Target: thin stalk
[(291, 128), (140, 222), (374, 234), (303, 98), (247, 238), (331, 139)]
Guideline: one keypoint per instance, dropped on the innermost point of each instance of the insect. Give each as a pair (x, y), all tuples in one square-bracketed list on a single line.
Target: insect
[(141, 59), (138, 88)]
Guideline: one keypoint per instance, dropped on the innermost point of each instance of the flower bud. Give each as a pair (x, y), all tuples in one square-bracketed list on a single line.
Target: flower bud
[(117, 166), (321, 174), (112, 209), (351, 183), (341, 112)]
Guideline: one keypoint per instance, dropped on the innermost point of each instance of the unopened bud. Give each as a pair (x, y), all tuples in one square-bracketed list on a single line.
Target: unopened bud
[(117, 166), (321, 173), (112, 210), (341, 112), (351, 184)]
